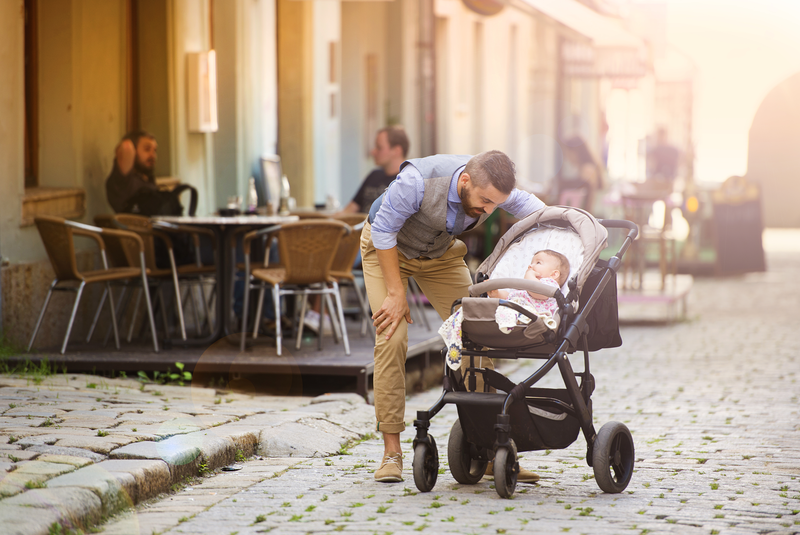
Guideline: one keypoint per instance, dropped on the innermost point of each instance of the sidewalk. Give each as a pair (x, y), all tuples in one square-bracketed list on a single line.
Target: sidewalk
[(80, 448), (712, 403)]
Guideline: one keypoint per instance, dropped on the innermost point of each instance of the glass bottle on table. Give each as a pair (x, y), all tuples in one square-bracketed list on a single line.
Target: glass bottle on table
[(252, 197)]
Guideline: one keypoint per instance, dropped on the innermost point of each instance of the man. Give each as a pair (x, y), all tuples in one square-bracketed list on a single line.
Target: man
[(663, 159), (391, 148), (134, 170), (411, 233), (131, 188)]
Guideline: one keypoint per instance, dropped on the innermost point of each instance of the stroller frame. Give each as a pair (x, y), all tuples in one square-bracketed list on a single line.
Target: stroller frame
[(610, 452)]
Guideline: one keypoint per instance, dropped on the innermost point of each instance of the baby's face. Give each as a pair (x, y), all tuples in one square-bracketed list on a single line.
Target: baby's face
[(544, 265)]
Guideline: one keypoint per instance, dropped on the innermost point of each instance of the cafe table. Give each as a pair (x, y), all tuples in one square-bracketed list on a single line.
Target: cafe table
[(224, 229)]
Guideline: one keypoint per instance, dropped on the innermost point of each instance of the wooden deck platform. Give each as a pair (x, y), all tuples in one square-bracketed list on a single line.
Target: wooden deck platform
[(258, 367), (651, 303)]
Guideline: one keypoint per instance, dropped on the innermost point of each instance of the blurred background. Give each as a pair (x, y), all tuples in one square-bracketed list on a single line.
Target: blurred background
[(681, 114)]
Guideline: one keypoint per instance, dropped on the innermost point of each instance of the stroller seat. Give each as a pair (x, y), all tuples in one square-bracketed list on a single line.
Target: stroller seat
[(569, 231)]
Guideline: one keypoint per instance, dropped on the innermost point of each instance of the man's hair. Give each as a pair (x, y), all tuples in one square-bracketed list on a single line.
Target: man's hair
[(396, 135), (563, 264), (492, 167), (136, 135)]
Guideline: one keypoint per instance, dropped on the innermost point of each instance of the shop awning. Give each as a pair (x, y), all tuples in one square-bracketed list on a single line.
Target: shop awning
[(614, 51), (601, 30)]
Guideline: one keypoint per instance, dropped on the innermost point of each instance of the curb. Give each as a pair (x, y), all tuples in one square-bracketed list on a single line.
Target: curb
[(142, 470)]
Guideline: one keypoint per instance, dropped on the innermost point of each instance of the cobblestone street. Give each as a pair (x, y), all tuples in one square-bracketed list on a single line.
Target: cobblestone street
[(712, 403)]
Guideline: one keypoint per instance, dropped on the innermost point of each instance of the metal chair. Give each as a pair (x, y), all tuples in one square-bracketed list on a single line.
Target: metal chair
[(638, 208), (143, 226), (58, 237), (196, 275), (342, 267), (307, 249)]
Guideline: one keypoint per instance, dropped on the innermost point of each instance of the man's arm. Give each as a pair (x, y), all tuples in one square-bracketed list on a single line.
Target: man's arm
[(126, 153), (521, 204), (395, 306), (401, 200)]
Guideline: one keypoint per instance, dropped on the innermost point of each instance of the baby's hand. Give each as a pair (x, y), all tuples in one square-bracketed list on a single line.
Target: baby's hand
[(535, 274)]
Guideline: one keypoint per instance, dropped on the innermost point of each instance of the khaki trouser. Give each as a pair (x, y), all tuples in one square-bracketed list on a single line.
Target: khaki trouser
[(442, 280)]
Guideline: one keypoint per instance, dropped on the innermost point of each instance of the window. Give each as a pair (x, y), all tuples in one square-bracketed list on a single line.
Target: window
[(31, 95)]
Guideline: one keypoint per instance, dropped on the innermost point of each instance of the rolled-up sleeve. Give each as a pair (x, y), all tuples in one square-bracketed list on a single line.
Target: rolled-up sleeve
[(400, 201), (521, 204)]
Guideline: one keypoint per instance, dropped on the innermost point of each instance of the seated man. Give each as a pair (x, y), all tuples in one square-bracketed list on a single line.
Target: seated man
[(133, 171), (131, 188), (391, 148)]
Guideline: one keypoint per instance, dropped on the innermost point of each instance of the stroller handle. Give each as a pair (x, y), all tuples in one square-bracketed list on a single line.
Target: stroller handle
[(633, 231), (517, 284), (632, 227)]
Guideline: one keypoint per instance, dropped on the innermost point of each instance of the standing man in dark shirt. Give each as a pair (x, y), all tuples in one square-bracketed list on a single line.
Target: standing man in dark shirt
[(663, 159), (391, 148), (134, 170)]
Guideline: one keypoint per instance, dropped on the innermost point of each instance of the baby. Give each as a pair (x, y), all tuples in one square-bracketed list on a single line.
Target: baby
[(547, 266)]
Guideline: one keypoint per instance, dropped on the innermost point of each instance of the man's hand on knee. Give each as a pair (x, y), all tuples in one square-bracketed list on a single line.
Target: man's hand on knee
[(392, 311)]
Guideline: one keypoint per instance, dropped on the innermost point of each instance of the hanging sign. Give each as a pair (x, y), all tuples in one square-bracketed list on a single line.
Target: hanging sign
[(582, 60), (486, 7)]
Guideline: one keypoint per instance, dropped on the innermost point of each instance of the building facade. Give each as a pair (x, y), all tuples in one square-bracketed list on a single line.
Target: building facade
[(311, 81)]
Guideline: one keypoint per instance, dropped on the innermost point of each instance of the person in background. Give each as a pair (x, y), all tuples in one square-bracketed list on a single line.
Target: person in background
[(662, 160), (580, 171), (391, 149), (133, 171)]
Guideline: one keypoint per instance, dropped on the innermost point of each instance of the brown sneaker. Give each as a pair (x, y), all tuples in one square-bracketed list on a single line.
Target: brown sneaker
[(524, 476), (391, 470)]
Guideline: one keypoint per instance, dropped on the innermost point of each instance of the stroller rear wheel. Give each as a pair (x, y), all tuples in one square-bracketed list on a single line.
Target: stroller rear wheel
[(506, 468), (612, 458), (464, 468), (426, 465)]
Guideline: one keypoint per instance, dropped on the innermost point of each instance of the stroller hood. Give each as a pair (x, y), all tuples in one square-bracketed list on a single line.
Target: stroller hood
[(592, 234)]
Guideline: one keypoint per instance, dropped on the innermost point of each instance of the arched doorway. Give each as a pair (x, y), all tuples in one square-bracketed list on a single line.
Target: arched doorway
[(773, 148)]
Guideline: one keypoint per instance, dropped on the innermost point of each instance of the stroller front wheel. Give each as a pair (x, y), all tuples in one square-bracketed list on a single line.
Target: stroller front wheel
[(612, 457), (426, 465), (506, 468), (464, 468)]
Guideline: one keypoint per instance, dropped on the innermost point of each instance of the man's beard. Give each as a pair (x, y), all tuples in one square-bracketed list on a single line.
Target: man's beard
[(148, 172), (470, 210)]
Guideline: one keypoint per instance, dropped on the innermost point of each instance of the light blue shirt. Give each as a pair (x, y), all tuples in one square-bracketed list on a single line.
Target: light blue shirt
[(403, 199)]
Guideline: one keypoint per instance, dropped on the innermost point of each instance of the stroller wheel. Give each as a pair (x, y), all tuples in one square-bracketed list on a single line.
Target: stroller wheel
[(612, 458), (506, 469), (426, 465), (464, 468)]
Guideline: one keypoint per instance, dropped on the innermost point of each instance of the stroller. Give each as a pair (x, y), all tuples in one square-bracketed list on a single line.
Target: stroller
[(506, 418)]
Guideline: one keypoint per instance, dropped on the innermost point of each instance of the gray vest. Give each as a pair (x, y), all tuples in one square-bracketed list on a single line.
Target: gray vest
[(425, 233)]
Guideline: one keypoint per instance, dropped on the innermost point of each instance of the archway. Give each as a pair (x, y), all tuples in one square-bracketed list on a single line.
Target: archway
[(774, 144)]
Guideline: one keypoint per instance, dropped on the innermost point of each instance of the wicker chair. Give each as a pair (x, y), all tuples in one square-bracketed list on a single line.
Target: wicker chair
[(196, 275), (143, 226), (58, 238), (307, 250), (342, 267)]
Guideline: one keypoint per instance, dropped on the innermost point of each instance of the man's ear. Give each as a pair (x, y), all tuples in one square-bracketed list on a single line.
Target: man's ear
[(463, 178)]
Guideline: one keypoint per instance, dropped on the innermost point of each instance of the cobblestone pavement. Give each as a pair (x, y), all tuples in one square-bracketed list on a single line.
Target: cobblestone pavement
[(712, 403)]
